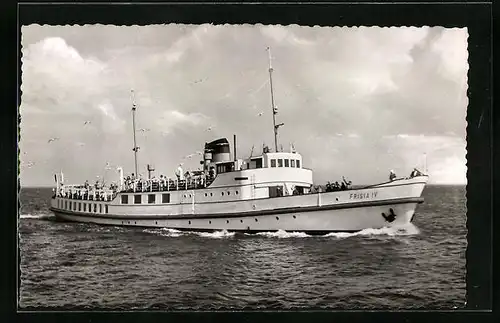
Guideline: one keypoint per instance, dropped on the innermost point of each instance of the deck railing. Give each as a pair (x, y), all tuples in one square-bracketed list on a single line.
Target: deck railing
[(90, 193)]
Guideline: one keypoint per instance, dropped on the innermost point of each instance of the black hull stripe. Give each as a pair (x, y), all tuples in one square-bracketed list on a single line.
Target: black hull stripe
[(250, 213), (238, 231)]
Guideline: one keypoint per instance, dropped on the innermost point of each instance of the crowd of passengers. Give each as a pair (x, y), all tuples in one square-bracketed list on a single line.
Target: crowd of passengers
[(190, 180)]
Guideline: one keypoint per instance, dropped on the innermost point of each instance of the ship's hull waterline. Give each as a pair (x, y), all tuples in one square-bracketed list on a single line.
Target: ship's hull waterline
[(321, 220)]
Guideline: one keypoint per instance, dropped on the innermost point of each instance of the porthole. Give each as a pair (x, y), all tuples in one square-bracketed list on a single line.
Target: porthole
[(228, 193), (222, 193), (227, 221), (241, 221), (256, 220), (135, 222), (294, 217), (184, 195), (189, 222), (277, 218), (236, 192), (189, 195), (206, 194), (156, 222), (336, 198), (209, 222), (211, 194)]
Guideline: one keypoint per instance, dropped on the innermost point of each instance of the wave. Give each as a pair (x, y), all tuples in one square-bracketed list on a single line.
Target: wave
[(216, 234), (282, 234), (404, 230), (40, 216), (173, 233)]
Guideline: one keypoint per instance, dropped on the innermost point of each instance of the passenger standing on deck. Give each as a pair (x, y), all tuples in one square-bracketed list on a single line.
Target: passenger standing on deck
[(392, 176)]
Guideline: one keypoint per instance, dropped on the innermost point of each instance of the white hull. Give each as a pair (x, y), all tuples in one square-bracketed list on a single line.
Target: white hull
[(348, 220), (350, 210)]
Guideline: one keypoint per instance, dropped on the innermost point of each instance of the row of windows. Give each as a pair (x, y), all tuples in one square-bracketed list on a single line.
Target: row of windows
[(209, 221), (294, 163), (165, 198), (81, 206)]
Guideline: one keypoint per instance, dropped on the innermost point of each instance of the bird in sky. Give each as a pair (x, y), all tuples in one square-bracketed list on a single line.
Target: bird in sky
[(86, 123), (209, 129), (260, 114), (144, 130), (52, 139)]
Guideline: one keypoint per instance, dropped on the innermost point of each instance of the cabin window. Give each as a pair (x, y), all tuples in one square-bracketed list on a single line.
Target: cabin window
[(275, 191), (79, 206), (100, 208), (165, 198), (273, 162), (124, 199), (298, 163), (151, 198), (280, 162), (65, 204), (258, 163), (292, 163), (84, 207), (287, 163), (95, 208), (137, 199), (106, 207)]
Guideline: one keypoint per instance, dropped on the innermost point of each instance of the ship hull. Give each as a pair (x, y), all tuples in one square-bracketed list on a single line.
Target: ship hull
[(313, 220)]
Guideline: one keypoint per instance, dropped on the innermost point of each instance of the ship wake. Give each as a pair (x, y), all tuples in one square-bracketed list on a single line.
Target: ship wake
[(40, 216)]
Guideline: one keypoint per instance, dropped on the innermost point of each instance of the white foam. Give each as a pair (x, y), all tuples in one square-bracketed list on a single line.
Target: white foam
[(404, 230), (164, 232), (36, 216), (216, 234), (283, 234)]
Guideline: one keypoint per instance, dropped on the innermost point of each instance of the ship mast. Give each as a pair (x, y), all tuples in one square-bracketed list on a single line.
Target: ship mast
[(135, 149), (275, 110)]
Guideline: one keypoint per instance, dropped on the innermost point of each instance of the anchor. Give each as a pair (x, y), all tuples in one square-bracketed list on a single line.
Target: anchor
[(391, 217)]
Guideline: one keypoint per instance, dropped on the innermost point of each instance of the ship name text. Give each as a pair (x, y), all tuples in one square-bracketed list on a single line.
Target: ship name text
[(363, 196)]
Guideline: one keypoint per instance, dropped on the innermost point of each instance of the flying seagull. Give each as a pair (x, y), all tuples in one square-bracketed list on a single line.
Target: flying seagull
[(86, 123), (260, 114), (52, 139), (143, 129)]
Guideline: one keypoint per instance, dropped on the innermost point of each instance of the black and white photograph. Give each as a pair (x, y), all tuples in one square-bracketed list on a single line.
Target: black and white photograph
[(242, 166)]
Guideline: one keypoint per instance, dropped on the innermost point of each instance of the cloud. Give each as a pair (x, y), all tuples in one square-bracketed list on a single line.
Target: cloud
[(391, 94)]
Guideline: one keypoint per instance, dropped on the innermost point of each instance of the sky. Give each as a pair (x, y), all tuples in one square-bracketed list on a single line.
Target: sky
[(356, 102)]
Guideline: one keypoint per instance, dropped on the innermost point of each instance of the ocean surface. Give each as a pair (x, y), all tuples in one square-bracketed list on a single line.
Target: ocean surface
[(68, 265)]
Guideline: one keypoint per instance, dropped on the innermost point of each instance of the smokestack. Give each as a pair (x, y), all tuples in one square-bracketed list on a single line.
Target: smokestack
[(234, 144)]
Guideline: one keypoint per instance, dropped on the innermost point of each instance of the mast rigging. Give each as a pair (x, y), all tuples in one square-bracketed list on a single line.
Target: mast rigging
[(135, 149), (275, 110)]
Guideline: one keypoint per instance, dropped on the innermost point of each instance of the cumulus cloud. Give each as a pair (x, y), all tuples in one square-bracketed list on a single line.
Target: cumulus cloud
[(355, 101)]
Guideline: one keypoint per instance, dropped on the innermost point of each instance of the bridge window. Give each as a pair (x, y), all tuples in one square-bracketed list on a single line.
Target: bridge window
[(124, 199), (280, 162), (273, 162), (298, 163), (165, 198), (137, 199), (287, 163), (151, 198), (292, 163), (258, 163)]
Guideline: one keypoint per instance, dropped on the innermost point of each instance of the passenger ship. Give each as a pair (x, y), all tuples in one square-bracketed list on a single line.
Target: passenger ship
[(268, 192)]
